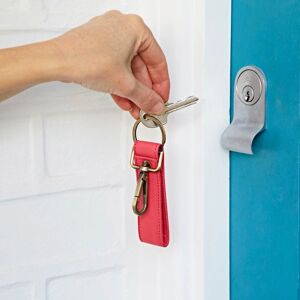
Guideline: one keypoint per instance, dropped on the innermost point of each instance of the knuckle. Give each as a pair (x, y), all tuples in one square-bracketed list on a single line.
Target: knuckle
[(136, 19), (113, 12), (110, 14)]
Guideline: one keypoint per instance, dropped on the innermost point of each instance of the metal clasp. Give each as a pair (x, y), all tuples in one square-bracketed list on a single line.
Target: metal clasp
[(132, 163), (141, 187)]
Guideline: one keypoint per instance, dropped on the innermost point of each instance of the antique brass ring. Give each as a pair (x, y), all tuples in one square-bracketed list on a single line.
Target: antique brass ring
[(156, 122)]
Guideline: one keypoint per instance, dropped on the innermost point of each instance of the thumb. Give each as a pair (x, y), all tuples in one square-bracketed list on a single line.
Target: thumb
[(144, 97)]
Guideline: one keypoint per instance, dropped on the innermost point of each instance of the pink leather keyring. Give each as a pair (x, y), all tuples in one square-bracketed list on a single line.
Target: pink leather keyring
[(150, 201)]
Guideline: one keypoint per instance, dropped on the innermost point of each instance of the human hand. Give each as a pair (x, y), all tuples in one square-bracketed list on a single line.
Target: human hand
[(117, 54)]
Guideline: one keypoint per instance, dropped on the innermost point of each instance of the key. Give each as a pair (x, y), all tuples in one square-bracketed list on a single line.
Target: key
[(170, 107)]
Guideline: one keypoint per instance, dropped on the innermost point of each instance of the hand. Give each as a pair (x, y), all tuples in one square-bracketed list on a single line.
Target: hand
[(117, 54)]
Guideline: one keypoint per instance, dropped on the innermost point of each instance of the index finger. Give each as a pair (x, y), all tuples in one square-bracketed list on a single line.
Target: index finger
[(157, 66)]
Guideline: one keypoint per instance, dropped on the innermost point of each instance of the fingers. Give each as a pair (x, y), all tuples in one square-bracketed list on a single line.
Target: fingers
[(122, 102), (140, 71), (136, 87), (155, 61), (143, 96), (145, 82), (135, 112), (126, 105)]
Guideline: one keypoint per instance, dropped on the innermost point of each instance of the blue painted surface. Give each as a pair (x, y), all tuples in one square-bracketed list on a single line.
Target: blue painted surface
[(265, 187)]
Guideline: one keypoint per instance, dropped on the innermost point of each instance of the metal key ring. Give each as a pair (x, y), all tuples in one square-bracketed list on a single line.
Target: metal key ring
[(153, 119)]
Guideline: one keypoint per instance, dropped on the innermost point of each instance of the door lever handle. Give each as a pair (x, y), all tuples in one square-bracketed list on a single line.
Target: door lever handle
[(249, 110)]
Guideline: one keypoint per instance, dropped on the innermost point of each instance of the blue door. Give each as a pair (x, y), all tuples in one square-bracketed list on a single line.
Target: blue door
[(265, 187)]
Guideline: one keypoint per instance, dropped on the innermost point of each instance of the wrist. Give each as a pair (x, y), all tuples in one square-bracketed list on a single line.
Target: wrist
[(52, 62), (28, 65)]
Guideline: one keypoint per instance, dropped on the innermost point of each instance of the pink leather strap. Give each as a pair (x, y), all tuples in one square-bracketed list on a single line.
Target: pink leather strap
[(153, 225)]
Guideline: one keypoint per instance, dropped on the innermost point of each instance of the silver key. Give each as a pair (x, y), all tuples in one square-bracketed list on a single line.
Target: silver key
[(170, 107)]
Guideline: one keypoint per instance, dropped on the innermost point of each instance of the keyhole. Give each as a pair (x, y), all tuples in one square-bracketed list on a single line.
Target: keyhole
[(247, 96)]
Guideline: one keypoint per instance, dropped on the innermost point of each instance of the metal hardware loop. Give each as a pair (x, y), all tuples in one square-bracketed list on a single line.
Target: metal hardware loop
[(154, 120)]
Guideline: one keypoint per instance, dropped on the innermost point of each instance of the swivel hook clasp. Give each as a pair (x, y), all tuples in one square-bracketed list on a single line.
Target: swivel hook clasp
[(141, 188)]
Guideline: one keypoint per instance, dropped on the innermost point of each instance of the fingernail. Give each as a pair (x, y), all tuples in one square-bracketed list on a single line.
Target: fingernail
[(158, 108)]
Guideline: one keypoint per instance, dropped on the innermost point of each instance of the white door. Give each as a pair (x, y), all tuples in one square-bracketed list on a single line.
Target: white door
[(67, 231)]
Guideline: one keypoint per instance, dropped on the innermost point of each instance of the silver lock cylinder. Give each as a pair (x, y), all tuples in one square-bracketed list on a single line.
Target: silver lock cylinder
[(249, 86), (249, 111)]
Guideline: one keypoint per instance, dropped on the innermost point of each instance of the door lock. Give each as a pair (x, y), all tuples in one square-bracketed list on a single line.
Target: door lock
[(249, 110)]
